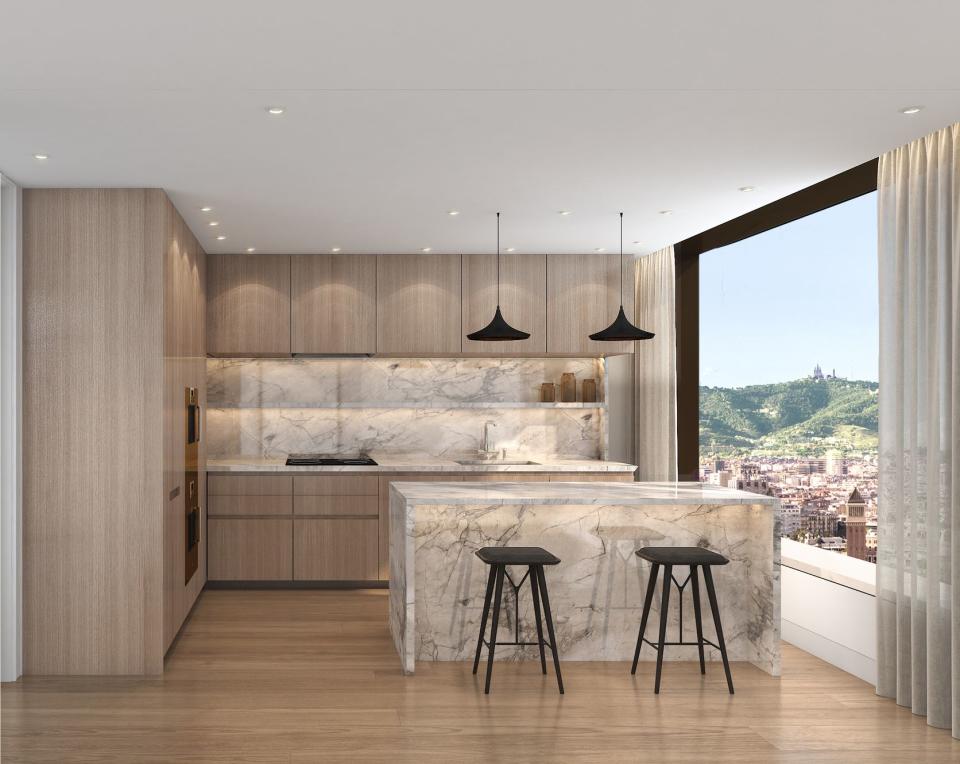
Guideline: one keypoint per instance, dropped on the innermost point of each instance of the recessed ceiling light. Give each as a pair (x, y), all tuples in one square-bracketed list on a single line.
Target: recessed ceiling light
[(41, 157), (511, 249), (221, 238), (637, 243), (910, 109), (275, 110), (206, 209), (335, 249), (214, 222), (746, 189), (666, 212), (564, 212), (251, 249), (427, 249), (600, 249), (453, 213)]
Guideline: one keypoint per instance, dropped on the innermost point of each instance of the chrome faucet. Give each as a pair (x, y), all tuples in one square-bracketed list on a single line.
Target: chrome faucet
[(485, 451)]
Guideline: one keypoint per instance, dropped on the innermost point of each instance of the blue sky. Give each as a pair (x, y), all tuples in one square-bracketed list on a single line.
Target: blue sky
[(774, 305)]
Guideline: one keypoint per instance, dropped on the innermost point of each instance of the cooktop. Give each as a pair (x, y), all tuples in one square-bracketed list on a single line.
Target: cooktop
[(330, 460)]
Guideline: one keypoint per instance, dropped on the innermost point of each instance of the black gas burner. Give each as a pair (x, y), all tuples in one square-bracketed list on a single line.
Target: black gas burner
[(329, 460)]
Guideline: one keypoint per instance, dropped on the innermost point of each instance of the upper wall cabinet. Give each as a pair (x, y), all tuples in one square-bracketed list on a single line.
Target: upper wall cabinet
[(418, 304), (248, 305), (334, 303), (523, 301), (583, 296)]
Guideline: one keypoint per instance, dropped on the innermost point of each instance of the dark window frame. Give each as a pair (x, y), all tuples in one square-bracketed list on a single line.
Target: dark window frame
[(840, 188)]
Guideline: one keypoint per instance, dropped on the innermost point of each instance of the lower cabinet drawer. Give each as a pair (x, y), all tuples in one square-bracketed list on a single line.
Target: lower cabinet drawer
[(336, 505), (249, 505), (335, 549), (249, 550)]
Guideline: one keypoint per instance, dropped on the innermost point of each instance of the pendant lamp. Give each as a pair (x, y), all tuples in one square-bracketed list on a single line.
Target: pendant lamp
[(621, 330), (498, 330)]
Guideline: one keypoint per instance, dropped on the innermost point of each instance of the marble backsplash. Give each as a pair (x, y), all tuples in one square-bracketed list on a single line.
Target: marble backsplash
[(271, 407)]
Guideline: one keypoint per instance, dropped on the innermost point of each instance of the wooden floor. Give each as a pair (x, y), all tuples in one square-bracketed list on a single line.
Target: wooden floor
[(311, 676)]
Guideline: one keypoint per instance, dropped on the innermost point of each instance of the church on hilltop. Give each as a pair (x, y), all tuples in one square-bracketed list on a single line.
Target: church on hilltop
[(819, 376)]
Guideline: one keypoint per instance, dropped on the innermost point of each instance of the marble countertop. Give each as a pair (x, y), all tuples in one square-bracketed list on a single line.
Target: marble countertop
[(418, 462), (622, 494)]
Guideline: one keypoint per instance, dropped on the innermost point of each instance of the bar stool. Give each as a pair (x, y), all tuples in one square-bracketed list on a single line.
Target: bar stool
[(498, 558), (694, 557)]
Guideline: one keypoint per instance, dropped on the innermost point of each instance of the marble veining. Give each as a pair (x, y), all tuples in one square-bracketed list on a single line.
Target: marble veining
[(272, 407), (437, 583)]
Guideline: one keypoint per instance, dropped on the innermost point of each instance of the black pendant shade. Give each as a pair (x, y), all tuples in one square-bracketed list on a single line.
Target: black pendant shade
[(621, 330), (498, 330)]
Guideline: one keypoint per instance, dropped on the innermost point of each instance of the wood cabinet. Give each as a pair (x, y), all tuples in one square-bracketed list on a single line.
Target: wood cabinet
[(523, 301), (249, 495), (339, 549), (334, 303), (248, 305), (248, 549), (418, 304), (583, 297)]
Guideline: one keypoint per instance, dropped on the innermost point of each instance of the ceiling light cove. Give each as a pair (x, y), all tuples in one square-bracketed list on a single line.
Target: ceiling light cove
[(221, 238), (911, 109), (41, 157), (206, 209), (275, 111)]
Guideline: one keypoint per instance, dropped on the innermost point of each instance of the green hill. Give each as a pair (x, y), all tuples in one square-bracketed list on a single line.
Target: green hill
[(804, 417)]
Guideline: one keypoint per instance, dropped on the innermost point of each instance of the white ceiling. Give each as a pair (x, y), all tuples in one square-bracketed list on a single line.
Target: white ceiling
[(400, 111)]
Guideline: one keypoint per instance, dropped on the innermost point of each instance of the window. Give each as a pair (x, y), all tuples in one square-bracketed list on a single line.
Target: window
[(788, 359)]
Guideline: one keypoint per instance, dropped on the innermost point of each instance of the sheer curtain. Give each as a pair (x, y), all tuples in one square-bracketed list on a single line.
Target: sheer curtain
[(655, 370), (918, 564)]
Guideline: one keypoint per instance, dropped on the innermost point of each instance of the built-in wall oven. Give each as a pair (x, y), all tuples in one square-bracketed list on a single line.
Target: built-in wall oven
[(191, 482)]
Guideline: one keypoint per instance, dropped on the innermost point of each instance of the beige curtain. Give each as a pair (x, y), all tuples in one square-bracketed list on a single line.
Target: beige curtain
[(655, 371), (918, 564)]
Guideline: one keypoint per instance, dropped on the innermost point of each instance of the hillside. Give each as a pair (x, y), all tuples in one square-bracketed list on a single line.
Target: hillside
[(803, 417)]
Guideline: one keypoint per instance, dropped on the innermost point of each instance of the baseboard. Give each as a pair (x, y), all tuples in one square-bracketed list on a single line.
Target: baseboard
[(834, 653), (297, 585)]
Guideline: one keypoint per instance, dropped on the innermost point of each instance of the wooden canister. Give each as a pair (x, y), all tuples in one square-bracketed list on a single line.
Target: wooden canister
[(568, 387)]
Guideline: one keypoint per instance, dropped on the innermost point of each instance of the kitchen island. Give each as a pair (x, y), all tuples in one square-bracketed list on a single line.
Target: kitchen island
[(437, 583)]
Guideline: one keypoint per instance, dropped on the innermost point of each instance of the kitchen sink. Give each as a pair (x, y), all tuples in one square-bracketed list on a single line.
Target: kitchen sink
[(493, 462)]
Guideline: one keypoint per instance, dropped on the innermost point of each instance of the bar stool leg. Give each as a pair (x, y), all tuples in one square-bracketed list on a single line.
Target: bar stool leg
[(493, 629), (535, 588), (695, 580), (664, 611), (647, 600), (712, 594), (483, 618), (549, 616)]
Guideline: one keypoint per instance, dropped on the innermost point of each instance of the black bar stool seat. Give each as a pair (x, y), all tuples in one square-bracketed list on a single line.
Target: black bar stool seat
[(697, 559), (498, 558)]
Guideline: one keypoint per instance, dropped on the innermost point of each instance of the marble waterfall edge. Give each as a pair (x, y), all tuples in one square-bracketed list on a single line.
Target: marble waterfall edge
[(437, 583)]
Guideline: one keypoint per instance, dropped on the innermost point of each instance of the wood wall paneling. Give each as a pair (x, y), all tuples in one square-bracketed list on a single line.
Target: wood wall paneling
[(418, 304), (334, 303), (248, 305), (92, 431), (523, 301)]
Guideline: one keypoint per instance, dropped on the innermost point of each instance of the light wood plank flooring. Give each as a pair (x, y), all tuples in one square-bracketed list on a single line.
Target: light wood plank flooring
[(311, 676)]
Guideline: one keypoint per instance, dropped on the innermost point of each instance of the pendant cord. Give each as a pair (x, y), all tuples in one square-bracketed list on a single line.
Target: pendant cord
[(498, 261), (621, 259)]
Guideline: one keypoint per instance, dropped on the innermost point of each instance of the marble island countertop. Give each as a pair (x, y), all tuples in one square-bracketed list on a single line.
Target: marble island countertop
[(622, 494), (419, 462)]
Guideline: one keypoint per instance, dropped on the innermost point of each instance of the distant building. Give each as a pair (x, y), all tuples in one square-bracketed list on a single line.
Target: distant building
[(831, 543), (856, 526), (819, 524), (753, 480)]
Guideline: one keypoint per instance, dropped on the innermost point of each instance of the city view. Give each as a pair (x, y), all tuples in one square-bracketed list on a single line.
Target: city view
[(788, 367), (812, 442)]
